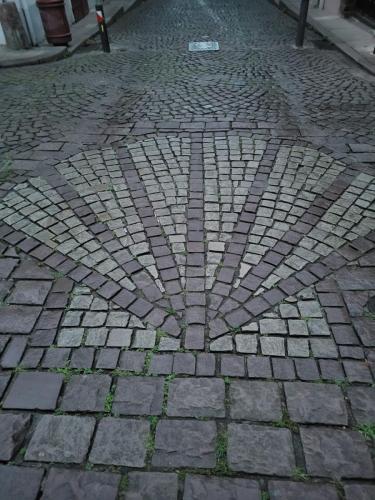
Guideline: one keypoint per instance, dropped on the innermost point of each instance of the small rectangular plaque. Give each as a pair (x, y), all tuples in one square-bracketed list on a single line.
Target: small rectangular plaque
[(202, 46)]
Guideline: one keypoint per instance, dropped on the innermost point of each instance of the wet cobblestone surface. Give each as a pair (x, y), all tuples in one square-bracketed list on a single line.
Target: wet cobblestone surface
[(187, 264)]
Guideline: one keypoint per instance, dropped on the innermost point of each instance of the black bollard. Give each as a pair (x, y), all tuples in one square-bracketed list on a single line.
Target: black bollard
[(102, 28), (302, 22)]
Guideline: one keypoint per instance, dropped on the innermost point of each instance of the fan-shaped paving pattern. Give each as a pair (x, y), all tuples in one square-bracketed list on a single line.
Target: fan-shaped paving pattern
[(185, 232), (201, 221), (40, 212), (99, 181)]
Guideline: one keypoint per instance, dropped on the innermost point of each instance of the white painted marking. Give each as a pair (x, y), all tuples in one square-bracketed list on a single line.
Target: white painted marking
[(202, 46)]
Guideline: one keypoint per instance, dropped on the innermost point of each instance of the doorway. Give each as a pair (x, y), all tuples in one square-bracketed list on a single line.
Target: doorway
[(80, 9)]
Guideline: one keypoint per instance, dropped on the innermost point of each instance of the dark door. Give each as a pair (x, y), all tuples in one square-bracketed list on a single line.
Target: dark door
[(366, 8), (80, 9)]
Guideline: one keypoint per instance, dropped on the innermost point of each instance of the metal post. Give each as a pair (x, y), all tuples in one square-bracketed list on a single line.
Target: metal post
[(302, 22), (102, 28)]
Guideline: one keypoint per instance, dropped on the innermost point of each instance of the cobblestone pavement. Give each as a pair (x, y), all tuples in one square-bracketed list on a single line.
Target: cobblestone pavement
[(187, 270)]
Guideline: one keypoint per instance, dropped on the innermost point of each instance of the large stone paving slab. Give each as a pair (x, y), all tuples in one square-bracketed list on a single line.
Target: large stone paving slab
[(138, 396), (30, 292), (260, 450), (289, 490), (30, 270), (120, 442), (185, 443), (65, 484), (34, 391), (18, 319), (359, 491), (152, 485), (64, 439), (356, 279), (86, 393), (365, 329), (315, 403), (6, 267), (13, 429), (252, 400), (20, 483), (213, 488), (362, 402), (336, 453), (198, 397), (4, 380)]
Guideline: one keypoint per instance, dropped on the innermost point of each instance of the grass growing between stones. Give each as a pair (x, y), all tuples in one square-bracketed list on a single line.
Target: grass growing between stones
[(124, 483), (367, 431), (181, 474), (150, 443), (58, 411), (160, 334), (167, 381), (171, 311), (344, 384), (299, 474), (19, 369), (339, 489), (4, 300), (147, 364), (125, 373), (108, 403), (286, 422), (69, 372), (57, 275), (235, 329), (222, 468), (227, 398)]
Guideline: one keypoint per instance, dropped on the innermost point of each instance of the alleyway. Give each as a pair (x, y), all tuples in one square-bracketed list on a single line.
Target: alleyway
[(187, 264)]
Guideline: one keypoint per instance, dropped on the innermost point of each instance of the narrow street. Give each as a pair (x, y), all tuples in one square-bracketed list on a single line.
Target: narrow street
[(187, 264)]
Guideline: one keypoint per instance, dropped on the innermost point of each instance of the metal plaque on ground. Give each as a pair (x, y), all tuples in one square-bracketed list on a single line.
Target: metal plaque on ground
[(202, 46)]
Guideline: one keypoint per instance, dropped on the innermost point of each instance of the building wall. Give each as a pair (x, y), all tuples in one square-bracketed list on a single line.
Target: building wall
[(329, 6), (2, 36), (32, 22), (30, 17), (69, 12)]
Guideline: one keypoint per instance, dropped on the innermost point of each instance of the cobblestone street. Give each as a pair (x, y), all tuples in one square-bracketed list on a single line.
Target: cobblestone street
[(187, 264)]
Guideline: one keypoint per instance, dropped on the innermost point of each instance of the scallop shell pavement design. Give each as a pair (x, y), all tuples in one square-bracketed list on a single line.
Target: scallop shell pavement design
[(190, 231)]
